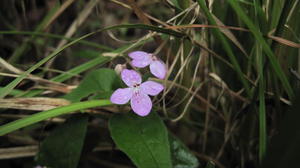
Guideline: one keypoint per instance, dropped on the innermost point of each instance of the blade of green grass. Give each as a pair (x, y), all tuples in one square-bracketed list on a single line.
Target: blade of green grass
[(260, 17), (262, 109), (260, 23), (14, 92), (276, 13), (6, 90), (226, 47), (280, 23), (266, 48), (15, 125)]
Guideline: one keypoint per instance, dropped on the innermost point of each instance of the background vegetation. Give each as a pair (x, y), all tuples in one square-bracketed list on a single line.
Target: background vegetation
[(230, 99)]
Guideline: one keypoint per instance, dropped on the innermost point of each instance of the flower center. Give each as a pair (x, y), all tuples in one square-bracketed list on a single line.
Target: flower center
[(153, 57), (136, 88), (136, 85)]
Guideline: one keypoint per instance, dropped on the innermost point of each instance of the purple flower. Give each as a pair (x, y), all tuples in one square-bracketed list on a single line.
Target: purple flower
[(142, 59), (137, 92)]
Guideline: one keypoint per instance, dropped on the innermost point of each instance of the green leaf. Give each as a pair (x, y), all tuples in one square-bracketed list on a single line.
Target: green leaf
[(98, 81), (62, 148), (143, 139), (181, 156), (262, 105)]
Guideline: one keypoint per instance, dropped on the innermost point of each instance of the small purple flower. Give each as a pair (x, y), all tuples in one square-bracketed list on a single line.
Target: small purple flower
[(137, 92), (142, 59)]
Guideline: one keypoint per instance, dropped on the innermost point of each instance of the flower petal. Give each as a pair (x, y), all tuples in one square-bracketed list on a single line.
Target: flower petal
[(158, 69), (121, 96), (141, 63), (141, 104), (131, 77), (138, 55), (151, 88)]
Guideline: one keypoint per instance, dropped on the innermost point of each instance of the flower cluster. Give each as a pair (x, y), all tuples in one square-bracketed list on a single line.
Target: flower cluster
[(137, 92)]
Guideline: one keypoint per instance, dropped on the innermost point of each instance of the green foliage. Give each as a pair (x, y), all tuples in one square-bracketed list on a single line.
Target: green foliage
[(181, 155), (62, 148), (143, 139), (101, 81)]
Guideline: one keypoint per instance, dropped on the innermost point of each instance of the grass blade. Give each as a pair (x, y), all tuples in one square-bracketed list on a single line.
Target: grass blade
[(266, 48), (262, 108), (15, 125), (226, 47)]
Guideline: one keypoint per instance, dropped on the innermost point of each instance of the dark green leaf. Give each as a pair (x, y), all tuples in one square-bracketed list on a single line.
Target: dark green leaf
[(181, 156), (63, 146), (101, 81), (143, 139)]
